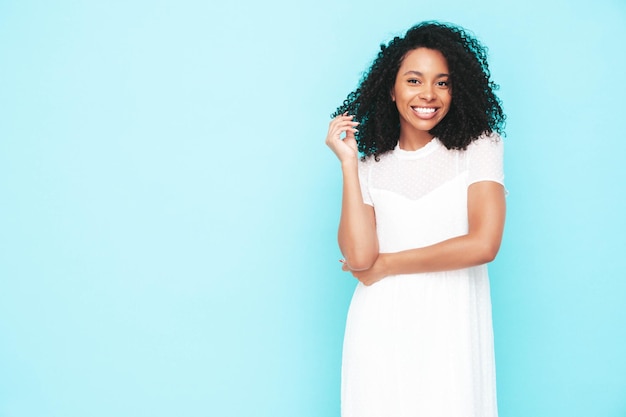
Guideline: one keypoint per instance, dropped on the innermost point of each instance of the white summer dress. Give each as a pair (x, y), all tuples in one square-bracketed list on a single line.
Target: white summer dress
[(421, 345)]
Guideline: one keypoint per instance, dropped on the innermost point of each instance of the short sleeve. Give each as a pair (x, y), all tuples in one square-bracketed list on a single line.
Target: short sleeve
[(364, 174), (485, 160)]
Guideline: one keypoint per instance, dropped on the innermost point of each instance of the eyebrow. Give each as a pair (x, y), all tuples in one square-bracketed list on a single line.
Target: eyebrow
[(421, 75)]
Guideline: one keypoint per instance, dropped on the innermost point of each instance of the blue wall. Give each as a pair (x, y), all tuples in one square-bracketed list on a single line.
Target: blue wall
[(168, 209)]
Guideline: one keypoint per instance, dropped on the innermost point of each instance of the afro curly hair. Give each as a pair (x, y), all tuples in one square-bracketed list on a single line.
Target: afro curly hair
[(475, 110)]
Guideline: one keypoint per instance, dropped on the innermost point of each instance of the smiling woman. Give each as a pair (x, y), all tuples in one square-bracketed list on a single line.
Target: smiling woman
[(422, 95), (474, 108), (422, 214)]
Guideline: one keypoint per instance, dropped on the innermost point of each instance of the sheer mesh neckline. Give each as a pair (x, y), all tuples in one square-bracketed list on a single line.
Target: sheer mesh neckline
[(427, 149)]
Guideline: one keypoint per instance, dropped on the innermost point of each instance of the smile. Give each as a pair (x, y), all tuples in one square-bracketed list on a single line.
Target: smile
[(424, 110), (425, 113)]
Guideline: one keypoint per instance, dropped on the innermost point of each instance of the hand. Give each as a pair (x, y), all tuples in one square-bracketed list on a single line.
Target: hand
[(345, 149), (372, 275)]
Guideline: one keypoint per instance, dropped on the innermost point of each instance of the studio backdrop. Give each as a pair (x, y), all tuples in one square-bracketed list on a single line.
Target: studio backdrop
[(168, 208)]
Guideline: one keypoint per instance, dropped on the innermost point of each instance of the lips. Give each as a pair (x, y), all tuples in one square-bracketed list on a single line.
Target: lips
[(425, 112)]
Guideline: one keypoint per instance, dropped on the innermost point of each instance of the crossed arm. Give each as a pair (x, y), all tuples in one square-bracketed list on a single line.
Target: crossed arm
[(486, 212)]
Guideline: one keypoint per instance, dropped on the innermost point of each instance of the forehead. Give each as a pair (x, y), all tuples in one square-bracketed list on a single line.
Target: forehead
[(423, 59)]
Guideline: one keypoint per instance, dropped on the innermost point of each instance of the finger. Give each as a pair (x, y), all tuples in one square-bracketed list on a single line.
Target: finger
[(335, 134), (351, 143), (344, 265), (341, 117), (350, 134), (342, 126)]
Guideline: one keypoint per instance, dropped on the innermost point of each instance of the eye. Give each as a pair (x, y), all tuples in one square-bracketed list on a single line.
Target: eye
[(444, 84), (413, 81)]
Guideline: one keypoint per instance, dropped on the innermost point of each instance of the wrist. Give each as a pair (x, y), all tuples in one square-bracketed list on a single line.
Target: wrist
[(349, 163), (386, 264)]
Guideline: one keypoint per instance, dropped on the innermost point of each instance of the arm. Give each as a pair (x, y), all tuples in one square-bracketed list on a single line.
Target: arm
[(486, 213), (357, 226)]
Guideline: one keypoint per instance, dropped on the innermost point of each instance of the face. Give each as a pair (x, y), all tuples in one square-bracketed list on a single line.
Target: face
[(422, 92)]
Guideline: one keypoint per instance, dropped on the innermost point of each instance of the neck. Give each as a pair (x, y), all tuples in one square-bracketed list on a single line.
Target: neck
[(414, 141)]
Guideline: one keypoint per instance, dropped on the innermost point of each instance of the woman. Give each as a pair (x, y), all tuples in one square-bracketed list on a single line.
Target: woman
[(422, 214)]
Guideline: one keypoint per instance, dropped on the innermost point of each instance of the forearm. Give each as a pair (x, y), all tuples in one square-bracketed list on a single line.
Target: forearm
[(357, 227), (456, 253), (486, 209)]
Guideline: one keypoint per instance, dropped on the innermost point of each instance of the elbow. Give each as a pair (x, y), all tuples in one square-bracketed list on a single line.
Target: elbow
[(489, 257), (359, 266), (360, 262), (488, 252), (361, 256)]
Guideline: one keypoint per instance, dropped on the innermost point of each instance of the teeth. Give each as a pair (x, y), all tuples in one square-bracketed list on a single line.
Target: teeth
[(424, 109)]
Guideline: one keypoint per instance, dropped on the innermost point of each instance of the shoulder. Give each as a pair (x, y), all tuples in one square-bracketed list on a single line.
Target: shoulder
[(491, 141), (487, 140), (370, 161), (485, 158), (486, 147)]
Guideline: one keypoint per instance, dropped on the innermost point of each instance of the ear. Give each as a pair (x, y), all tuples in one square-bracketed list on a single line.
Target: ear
[(393, 96)]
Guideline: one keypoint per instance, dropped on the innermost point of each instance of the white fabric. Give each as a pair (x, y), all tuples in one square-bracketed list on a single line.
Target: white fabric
[(421, 345)]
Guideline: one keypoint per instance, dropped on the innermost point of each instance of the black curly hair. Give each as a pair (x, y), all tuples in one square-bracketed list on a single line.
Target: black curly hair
[(475, 109)]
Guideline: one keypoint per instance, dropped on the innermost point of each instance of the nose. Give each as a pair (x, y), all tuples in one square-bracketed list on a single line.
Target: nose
[(427, 93)]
